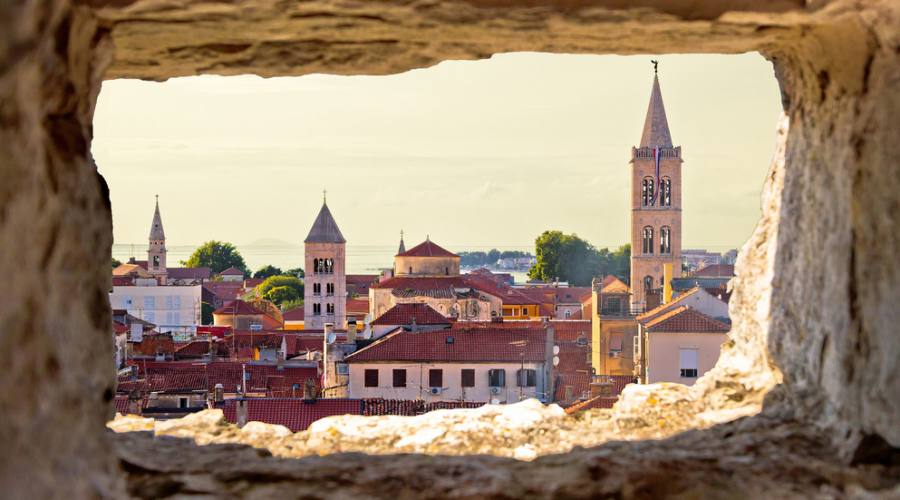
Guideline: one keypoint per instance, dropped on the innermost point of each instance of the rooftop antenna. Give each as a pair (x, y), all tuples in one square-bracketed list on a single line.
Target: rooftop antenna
[(655, 63), (324, 192)]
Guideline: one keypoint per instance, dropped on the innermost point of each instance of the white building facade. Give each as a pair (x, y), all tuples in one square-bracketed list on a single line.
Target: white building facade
[(172, 308)]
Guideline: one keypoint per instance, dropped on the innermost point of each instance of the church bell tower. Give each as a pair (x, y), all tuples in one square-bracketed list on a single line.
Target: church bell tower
[(655, 205), (156, 253)]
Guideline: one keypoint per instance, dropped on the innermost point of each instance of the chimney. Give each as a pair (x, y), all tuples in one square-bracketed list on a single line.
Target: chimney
[(413, 326), (549, 356), (309, 390), (134, 402), (241, 412), (219, 393)]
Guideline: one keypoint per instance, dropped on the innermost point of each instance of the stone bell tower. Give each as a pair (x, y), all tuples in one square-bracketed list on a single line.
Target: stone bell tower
[(156, 252), (655, 204), (325, 284)]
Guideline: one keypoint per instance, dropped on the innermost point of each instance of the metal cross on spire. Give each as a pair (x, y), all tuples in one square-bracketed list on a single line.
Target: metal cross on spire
[(655, 63), (324, 193)]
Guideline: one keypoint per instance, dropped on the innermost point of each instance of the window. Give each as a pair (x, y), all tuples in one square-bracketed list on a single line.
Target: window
[(329, 289), (666, 193), (435, 378), (317, 309), (648, 283), (447, 270), (156, 262), (468, 377), (648, 240), (665, 242), (568, 314), (615, 345), (410, 269), (526, 378), (317, 288), (647, 191), (371, 378), (400, 378), (149, 302), (329, 308), (342, 368), (497, 377), (182, 402), (688, 362)]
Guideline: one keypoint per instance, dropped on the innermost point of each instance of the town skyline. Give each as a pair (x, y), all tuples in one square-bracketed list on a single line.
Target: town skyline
[(587, 174)]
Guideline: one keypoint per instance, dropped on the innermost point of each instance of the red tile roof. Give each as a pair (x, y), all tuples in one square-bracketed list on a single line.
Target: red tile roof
[(715, 271), (253, 282), (188, 273), (360, 283), (203, 376), (119, 327), (571, 295), (663, 308), (122, 281), (232, 271), (423, 284), (473, 345), (295, 314), (569, 330), (411, 408), (295, 414), (224, 290), (427, 249), (406, 314), (358, 306), (238, 307), (686, 320)]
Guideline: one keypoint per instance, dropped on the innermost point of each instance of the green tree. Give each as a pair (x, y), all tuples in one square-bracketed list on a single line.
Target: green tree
[(271, 289), (291, 304), (297, 272), (218, 256), (280, 294), (266, 271), (569, 258)]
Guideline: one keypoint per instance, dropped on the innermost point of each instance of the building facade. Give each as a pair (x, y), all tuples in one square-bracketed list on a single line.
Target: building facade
[(325, 294), (655, 204)]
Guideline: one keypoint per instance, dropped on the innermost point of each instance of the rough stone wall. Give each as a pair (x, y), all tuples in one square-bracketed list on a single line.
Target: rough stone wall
[(818, 283), (55, 237)]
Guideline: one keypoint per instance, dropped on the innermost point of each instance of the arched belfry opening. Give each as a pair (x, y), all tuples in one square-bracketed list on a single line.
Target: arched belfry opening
[(814, 317)]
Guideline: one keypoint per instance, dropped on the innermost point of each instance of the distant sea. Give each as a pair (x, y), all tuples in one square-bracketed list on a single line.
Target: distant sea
[(361, 259)]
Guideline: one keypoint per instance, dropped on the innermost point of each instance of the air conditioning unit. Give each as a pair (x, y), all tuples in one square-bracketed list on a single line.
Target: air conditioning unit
[(495, 390), (436, 390)]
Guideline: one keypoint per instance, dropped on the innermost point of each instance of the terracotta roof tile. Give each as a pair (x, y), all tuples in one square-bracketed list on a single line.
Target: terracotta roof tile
[(238, 307), (473, 345), (232, 271), (685, 319), (188, 273), (295, 314), (295, 414), (427, 248), (405, 314)]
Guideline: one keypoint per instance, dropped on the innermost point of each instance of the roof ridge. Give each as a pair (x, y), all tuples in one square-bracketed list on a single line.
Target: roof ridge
[(324, 228)]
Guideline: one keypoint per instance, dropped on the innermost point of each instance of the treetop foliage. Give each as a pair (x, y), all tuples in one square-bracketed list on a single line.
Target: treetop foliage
[(218, 256)]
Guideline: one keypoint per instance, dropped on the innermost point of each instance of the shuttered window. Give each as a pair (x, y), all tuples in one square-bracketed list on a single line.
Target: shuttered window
[(468, 378), (435, 378)]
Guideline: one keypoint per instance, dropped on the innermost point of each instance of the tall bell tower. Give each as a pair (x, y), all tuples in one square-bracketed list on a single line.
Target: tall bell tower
[(655, 204), (156, 252), (325, 282)]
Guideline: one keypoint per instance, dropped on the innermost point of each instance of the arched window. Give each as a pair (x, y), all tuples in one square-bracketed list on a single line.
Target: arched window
[(156, 262), (665, 241), (410, 269), (647, 246), (316, 269), (648, 283), (666, 193), (647, 191)]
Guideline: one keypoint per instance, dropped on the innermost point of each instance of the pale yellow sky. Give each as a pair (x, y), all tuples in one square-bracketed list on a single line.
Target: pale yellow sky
[(475, 153)]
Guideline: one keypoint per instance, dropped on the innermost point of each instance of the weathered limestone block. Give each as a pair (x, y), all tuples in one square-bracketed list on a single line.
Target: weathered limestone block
[(819, 282)]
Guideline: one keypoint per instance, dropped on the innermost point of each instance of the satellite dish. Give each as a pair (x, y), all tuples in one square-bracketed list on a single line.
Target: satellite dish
[(555, 350), (330, 338), (555, 361)]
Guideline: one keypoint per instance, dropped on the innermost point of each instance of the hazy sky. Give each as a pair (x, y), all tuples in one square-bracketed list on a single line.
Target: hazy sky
[(475, 153)]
